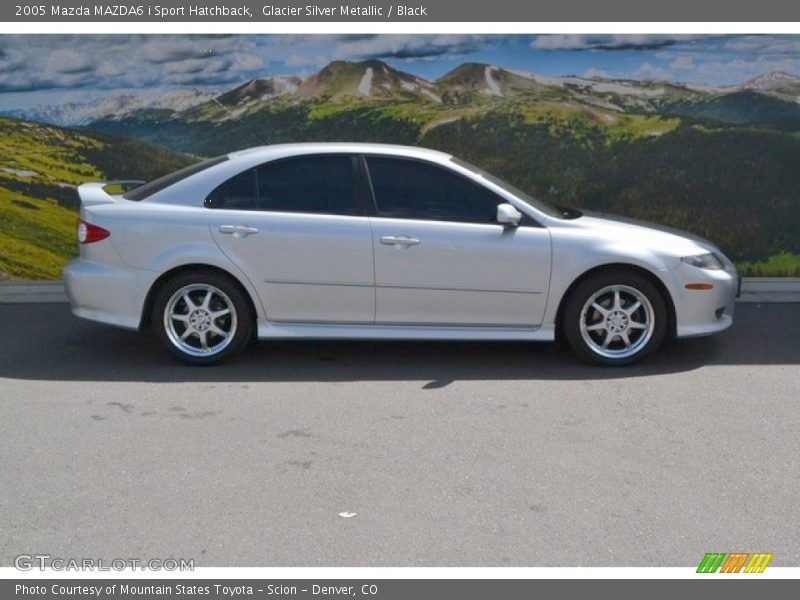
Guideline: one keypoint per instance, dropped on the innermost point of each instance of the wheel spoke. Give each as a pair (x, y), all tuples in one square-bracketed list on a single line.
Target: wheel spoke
[(635, 325), (609, 336), (600, 309), (617, 300), (207, 300), (633, 308), (220, 313), (186, 334), (189, 303), (218, 331), (179, 317), (203, 339), (625, 339), (596, 327)]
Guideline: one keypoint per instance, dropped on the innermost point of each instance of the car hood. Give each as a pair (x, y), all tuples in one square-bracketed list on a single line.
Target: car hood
[(619, 223)]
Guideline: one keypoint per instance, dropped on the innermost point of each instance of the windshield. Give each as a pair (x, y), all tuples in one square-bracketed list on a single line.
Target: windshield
[(544, 207), (148, 189)]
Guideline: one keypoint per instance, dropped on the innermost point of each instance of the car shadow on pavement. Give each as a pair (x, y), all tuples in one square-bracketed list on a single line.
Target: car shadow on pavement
[(45, 342)]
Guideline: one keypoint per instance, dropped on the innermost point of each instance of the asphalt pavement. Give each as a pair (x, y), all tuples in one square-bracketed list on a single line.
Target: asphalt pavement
[(449, 454)]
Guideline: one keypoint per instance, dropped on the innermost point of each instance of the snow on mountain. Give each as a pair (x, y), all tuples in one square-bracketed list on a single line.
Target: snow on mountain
[(71, 114), (772, 81)]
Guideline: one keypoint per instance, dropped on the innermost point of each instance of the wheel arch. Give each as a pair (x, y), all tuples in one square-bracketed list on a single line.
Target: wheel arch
[(147, 308), (647, 274)]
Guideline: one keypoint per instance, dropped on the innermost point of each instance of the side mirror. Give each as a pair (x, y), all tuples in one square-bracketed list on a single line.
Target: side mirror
[(508, 215)]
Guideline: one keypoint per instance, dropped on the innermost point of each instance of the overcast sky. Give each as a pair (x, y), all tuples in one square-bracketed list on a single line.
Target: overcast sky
[(50, 69)]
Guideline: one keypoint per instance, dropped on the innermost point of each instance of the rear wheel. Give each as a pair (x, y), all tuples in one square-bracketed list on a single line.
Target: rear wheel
[(202, 317), (615, 318)]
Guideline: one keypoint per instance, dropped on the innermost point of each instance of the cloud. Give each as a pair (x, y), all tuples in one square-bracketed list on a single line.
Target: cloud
[(160, 49), (608, 41), (650, 71), (31, 63), (300, 39), (300, 61), (411, 47), (764, 45), (69, 61), (683, 63)]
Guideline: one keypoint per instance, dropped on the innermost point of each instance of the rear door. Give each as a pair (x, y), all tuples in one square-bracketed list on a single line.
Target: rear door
[(441, 258), (295, 226)]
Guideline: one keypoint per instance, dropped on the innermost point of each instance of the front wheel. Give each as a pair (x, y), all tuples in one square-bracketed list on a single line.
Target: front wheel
[(615, 318), (202, 317)]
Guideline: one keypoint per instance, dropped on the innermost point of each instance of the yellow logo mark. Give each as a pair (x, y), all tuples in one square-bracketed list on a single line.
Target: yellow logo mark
[(758, 562)]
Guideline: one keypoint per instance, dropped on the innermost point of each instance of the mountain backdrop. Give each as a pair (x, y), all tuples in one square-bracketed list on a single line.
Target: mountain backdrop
[(719, 161)]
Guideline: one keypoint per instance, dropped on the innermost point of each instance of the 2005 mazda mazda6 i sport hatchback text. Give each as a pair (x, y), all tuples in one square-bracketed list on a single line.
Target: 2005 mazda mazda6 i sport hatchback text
[(382, 242)]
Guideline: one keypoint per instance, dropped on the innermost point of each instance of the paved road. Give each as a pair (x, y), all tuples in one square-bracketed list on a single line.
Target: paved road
[(451, 454)]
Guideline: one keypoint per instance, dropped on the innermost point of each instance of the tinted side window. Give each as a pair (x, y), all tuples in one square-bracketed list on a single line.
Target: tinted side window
[(410, 189), (238, 193), (308, 184)]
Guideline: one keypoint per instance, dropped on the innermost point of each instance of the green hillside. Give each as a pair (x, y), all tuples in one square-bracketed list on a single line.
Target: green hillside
[(40, 165), (737, 185)]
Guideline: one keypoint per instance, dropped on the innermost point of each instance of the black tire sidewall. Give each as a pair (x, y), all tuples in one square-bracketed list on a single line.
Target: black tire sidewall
[(244, 316), (570, 321)]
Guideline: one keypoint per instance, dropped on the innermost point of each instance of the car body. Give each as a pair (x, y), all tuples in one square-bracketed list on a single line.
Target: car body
[(346, 240)]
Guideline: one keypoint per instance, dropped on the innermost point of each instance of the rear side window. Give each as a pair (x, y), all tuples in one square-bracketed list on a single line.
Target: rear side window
[(238, 193), (305, 184), (150, 188), (412, 189)]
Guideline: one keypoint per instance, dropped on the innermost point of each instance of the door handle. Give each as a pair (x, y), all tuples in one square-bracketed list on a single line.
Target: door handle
[(238, 231), (401, 241)]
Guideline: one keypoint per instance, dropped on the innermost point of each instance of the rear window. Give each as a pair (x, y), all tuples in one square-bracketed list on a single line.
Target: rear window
[(150, 188)]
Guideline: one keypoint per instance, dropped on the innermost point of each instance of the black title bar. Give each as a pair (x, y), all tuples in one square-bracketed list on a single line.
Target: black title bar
[(411, 11)]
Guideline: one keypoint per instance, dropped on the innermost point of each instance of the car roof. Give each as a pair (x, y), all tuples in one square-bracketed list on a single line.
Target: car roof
[(275, 150)]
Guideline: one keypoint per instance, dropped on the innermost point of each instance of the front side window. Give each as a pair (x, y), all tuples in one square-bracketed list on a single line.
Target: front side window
[(411, 189), (304, 184)]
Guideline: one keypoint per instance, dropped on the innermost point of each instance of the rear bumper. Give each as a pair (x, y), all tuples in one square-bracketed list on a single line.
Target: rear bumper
[(703, 312), (106, 294)]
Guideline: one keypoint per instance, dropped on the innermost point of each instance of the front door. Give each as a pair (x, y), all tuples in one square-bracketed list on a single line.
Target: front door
[(442, 259)]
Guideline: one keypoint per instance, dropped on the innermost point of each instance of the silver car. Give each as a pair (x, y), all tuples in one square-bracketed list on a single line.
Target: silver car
[(368, 241)]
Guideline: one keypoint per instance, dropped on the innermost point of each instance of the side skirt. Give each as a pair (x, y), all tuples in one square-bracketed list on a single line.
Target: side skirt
[(271, 330)]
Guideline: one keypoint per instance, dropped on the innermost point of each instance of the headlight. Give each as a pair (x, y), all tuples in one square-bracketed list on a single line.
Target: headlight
[(704, 261)]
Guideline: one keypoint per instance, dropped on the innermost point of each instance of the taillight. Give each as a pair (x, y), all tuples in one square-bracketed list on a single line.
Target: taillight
[(88, 233)]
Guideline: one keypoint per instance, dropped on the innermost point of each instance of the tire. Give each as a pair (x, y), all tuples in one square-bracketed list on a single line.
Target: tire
[(615, 318), (214, 311)]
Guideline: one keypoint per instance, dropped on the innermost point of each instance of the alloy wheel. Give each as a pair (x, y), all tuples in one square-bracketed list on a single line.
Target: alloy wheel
[(200, 320), (617, 321)]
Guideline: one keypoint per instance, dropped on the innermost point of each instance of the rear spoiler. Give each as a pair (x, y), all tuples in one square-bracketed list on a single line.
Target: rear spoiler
[(92, 194)]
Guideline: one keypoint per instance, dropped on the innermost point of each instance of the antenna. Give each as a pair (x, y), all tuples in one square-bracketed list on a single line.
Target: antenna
[(231, 113)]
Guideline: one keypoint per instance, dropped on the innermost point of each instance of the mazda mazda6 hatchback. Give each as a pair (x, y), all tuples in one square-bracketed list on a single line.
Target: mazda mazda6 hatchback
[(368, 241)]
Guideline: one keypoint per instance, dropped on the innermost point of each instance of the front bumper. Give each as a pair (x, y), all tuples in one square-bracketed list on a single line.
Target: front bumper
[(107, 294), (707, 311)]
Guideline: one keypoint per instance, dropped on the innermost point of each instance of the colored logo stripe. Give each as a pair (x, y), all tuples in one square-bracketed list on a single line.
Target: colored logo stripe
[(711, 562), (734, 562), (758, 562)]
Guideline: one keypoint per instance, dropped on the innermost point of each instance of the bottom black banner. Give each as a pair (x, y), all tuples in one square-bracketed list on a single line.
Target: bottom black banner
[(385, 589)]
